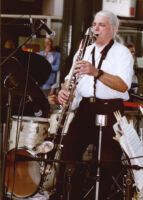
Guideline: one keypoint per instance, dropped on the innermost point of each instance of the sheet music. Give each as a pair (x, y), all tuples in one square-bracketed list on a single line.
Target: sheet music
[(133, 147)]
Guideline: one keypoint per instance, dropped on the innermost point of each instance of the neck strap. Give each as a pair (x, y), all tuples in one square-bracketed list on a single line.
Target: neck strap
[(104, 53)]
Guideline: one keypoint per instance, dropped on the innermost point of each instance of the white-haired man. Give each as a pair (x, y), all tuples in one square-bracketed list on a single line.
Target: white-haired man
[(106, 72)]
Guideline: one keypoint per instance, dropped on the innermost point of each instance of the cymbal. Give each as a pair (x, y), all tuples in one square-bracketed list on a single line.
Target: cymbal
[(39, 67), (14, 77)]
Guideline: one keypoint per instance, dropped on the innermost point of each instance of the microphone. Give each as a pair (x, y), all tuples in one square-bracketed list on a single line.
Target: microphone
[(32, 26), (47, 29)]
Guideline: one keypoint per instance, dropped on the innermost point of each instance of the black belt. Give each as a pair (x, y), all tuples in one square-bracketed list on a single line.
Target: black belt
[(103, 101)]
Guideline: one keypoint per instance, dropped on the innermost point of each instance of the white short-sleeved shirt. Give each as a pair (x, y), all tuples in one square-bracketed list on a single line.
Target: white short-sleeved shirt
[(118, 62)]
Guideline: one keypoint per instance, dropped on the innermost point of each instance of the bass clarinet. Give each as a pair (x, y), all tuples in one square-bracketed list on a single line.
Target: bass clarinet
[(66, 114)]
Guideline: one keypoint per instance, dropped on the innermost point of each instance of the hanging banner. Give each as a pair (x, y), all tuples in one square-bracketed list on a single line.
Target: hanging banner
[(123, 8)]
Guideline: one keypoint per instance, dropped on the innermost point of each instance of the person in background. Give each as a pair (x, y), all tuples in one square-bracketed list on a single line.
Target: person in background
[(52, 99), (9, 44), (101, 90), (134, 89), (131, 47), (53, 58), (8, 48)]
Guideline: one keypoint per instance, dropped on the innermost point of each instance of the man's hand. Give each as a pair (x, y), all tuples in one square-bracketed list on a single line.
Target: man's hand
[(112, 81), (63, 96), (85, 67), (53, 99)]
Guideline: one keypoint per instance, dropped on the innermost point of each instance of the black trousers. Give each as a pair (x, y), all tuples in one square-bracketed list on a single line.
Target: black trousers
[(83, 131)]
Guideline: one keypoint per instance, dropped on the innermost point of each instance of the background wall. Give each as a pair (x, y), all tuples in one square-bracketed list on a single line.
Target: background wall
[(52, 7), (75, 17)]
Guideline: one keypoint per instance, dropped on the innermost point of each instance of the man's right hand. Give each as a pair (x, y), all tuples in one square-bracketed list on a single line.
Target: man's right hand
[(63, 96)]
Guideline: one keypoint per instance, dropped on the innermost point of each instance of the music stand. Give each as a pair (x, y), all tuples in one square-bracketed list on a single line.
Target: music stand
[(101, 121)]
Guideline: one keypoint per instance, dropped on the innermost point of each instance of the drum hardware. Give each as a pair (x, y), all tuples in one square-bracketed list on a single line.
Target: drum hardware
[(43, 165), (15, 79), (26, 166), (33, 132), (69, 173), (118, 190), (23, 158), (48, 169), (128, 183), (5, 143), (24, 179), (45, 147)]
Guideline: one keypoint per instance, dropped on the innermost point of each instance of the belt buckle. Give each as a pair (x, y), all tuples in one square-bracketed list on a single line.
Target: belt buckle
[(92, 99)]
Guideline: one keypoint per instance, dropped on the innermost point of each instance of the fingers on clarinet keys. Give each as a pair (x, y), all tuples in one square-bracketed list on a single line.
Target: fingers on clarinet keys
[(45, 147)]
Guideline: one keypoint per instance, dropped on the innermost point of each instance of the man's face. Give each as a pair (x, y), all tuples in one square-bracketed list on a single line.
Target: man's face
[(132, 50), (102, 27), (48, 42)]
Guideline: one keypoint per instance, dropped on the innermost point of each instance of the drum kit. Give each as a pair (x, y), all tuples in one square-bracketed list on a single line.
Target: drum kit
[(28, 148), (28, 141)]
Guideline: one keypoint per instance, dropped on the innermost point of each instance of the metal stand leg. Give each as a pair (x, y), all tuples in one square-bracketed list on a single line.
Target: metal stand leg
[(69, 173), (69, 185), (5, 143), (98, 167), (101, 120)]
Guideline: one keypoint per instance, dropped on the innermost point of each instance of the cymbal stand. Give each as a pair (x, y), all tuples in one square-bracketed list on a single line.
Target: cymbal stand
[(10, 85), (6, 138), (101, 120)]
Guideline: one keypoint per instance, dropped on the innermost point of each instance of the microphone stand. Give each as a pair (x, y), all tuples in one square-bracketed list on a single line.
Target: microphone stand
[(6, 139), (20, 46), (101, 121)]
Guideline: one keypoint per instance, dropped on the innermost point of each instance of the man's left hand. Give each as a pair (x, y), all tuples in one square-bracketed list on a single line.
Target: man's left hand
[(85, 67)]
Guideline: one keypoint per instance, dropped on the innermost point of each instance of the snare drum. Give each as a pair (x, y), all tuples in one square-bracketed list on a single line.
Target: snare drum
[(31, 130), (22, 177)]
